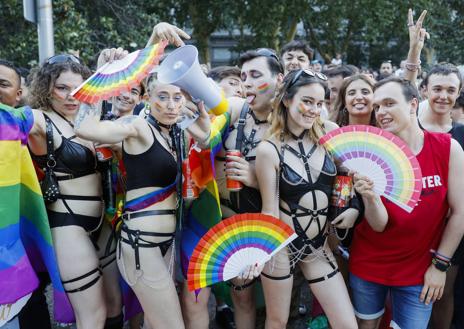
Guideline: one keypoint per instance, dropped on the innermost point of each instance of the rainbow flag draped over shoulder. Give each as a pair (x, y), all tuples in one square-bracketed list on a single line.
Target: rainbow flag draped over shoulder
[(205, 211), (25, 238)]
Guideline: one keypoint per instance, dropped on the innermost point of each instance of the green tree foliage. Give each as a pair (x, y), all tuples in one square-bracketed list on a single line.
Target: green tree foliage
[(82, 25), (201, 17), (267, 23), (369, 31), (364, 31)]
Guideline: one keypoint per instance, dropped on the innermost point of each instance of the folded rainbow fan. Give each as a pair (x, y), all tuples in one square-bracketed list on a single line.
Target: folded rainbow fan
[(229, 247), (381, 156), (120, 75)]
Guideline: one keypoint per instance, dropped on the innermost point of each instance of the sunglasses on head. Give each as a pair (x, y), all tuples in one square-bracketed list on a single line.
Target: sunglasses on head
[(267, 53), (63, 58), (308, 73)]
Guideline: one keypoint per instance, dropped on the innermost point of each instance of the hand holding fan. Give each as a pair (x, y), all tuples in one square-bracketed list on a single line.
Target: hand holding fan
[(233, 245), (120, 75), (381, 156)]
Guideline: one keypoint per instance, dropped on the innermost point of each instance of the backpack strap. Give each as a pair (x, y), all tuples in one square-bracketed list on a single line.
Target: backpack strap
[(241, 126)]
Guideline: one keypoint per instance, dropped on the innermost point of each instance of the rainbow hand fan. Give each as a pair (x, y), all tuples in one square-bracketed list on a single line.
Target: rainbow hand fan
[(381, 156), (235, 243), (113, 78)]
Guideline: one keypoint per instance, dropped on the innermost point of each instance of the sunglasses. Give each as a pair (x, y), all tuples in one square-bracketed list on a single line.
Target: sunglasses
[(63, 58), (267, 53), (308, 73)]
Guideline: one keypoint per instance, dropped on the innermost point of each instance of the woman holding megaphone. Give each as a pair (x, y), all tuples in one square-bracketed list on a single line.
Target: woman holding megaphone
[(151, 154)]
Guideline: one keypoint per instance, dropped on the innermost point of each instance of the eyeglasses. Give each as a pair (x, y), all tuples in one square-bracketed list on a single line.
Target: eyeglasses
[(267, 53), (309, 73), (63, 58)]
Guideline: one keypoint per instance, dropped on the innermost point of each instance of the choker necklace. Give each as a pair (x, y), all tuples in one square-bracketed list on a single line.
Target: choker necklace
[(62, 117), (169, 141), (168, 127), (158, 124), (257, 121), (298, 138)]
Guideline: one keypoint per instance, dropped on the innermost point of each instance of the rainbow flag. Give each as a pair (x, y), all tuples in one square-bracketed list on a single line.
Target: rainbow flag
[(205, 211), (25, 238)]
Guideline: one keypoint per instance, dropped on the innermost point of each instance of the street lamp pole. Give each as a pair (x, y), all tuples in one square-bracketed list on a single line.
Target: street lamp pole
[(45, 29), (40, 12)]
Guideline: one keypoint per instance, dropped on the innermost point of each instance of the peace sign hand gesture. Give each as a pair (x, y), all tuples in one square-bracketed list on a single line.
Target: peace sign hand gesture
[(417, 33)]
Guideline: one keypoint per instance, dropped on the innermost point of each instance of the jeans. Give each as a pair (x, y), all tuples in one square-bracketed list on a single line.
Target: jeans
[(408, 312)]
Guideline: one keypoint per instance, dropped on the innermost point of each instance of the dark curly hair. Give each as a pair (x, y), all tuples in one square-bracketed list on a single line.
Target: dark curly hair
[(340, 114), (43, 79)]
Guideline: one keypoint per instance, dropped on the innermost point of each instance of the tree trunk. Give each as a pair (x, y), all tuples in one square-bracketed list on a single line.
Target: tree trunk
[(203, 49), (292, 30)]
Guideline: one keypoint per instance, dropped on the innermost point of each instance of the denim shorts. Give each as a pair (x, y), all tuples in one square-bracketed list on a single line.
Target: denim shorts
[(408, 312)]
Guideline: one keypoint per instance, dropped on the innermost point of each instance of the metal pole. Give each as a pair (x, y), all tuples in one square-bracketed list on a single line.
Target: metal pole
[(45, 29)]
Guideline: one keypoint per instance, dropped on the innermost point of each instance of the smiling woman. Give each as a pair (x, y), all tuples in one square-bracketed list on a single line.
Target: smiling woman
[(353, 104), (296, 176)]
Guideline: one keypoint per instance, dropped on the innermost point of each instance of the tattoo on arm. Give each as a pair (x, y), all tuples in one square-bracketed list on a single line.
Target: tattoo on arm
[(86, 110), (127, 119)]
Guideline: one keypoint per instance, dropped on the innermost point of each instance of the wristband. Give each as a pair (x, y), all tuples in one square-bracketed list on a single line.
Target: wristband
[(412, 66), (441, 265), (206, 140)]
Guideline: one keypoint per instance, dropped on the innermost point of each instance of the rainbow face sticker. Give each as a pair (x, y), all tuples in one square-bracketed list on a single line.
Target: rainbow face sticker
[(264, 88)]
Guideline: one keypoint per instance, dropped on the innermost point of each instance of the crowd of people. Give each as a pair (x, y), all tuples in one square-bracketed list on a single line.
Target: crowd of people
[(372, 261)]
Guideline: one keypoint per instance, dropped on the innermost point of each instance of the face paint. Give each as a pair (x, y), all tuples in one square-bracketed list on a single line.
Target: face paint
[(263, 88), (157, 106), (302, 108)]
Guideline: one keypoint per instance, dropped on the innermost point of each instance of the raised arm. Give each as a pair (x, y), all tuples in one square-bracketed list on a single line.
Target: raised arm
[(166, 31), (417, 35), (267, 168), (88, 126), (38, 128)]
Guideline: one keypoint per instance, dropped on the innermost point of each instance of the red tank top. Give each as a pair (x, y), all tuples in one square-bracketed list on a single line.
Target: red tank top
[(400, 255)]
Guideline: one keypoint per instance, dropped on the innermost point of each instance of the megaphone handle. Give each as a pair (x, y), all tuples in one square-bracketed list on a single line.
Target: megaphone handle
[(187, 121)]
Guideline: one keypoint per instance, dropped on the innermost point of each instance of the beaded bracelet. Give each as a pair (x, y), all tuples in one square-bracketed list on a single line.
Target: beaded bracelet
[(412, 66)]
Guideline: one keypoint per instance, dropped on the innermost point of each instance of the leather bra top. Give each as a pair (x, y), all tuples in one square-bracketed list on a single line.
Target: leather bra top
[(156, 167), (71, 157)]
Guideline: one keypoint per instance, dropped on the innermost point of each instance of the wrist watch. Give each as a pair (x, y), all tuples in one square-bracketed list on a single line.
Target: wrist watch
[(441, 266)]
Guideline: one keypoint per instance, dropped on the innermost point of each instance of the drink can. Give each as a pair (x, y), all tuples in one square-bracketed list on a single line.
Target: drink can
[(189, 189), (104, 153), (232, 184), (341, 195)]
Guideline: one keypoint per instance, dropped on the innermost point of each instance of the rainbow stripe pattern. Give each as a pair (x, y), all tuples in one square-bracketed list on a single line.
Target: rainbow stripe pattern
[(121, 75), (25, 238), (205, 211), (381, 156), (262, 89), (235, 243), (149, 199)]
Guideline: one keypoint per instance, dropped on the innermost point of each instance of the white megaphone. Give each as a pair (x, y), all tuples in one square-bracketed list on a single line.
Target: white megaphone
[(181, 68)]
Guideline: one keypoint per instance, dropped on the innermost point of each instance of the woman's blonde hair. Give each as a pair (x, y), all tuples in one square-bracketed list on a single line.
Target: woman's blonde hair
[(279, 115)]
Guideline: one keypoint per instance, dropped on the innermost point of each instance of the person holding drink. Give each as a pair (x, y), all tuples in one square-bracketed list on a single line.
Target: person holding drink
[(296, 176)]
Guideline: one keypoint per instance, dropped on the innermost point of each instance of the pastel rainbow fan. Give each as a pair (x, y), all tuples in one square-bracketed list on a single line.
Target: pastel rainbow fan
[(233, 244), (120, 75), (381, 156)]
